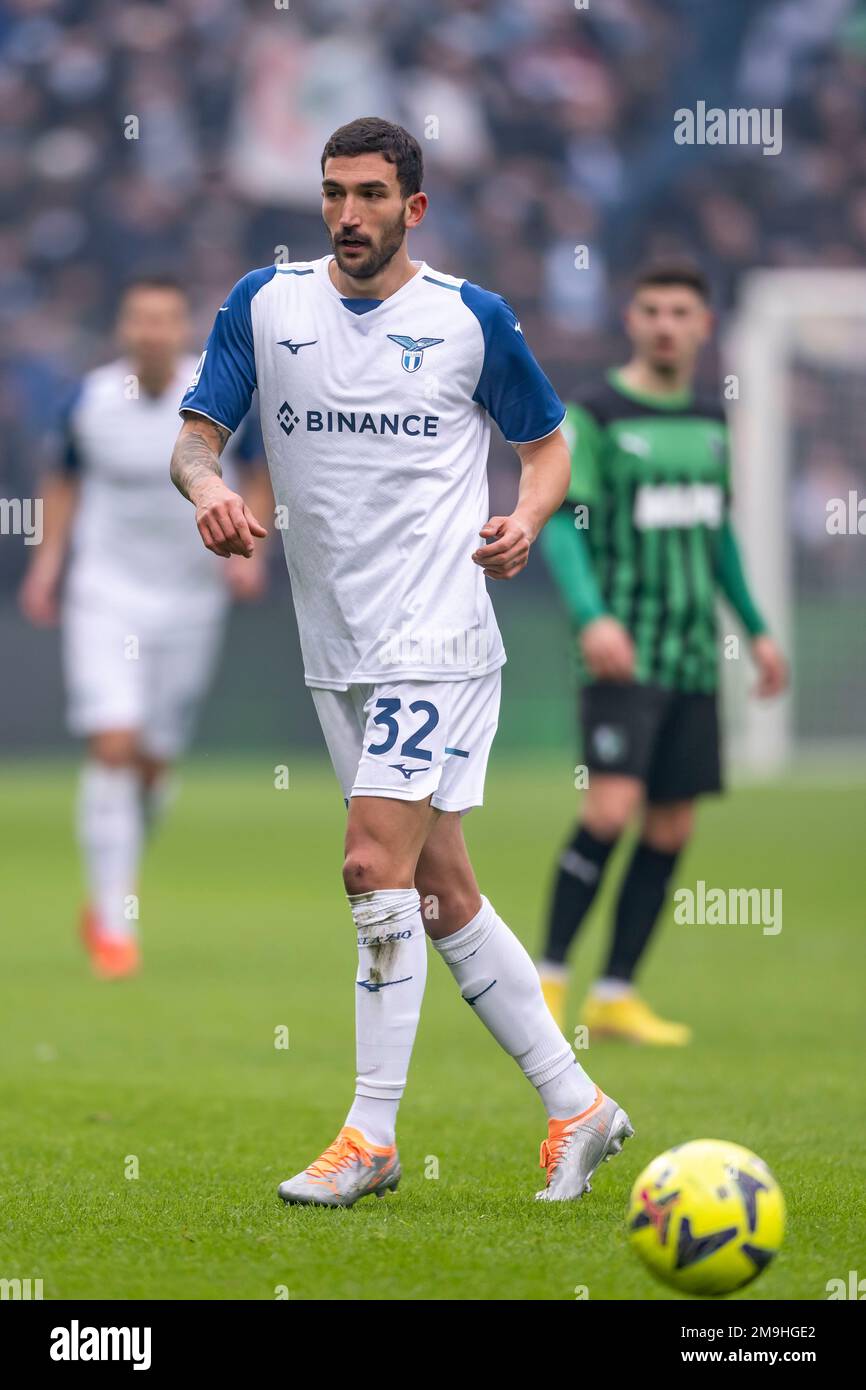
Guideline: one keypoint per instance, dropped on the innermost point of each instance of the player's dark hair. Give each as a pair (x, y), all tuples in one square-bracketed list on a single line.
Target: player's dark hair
[(371, 135), (155, 281), (674, 273)]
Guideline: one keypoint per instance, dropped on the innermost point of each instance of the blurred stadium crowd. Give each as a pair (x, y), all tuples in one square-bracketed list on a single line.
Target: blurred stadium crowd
[(545, 126)]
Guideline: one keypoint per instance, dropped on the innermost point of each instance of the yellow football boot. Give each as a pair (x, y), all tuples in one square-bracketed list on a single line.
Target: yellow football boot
[(631, 1019)]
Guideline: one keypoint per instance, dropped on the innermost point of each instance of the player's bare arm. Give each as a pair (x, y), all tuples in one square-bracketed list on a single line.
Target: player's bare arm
[(771, 666), (608, 649), (545, 470), (248, 581), (40, 589), (225, 522)]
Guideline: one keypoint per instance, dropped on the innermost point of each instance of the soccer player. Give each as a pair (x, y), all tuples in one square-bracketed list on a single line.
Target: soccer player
[(143, 606), (639, 551), (378, 377)]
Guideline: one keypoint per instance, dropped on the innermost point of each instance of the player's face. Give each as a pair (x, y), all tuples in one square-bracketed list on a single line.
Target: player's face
[(668, 325), (365, 212), (153, 326)]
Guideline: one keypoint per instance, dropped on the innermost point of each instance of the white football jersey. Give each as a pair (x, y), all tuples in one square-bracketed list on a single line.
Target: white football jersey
[(134, 545), (376, 423)]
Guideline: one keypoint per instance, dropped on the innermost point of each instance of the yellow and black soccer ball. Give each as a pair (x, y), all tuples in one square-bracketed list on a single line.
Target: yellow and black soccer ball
[(707, 1216)]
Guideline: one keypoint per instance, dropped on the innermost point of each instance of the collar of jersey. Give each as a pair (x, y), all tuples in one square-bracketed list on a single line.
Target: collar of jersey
[(677, 400), (398, 297)]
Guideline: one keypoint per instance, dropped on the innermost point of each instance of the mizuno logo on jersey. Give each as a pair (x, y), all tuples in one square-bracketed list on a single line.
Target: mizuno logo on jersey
[(358, 422), (678, 504), (294, 348), (407, 771), (413, 350)]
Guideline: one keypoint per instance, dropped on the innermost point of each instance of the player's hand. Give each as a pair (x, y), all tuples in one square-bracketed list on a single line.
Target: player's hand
[(247, 577), (38, 596), (225, 522), (607, 650), (507, 550), (772, 668)]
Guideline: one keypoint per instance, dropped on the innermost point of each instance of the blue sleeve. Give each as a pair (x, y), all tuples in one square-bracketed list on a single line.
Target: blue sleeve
[(512, 388), (250, 445), (69, 454), (225, 377)]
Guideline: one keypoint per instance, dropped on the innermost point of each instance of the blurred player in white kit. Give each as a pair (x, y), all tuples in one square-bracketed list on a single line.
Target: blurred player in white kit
[(142, 605)]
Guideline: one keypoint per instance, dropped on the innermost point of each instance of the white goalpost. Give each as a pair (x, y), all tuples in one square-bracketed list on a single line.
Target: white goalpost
[(796, 352)]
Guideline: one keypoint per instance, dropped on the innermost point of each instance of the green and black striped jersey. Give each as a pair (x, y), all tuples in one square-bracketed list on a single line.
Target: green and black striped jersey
[(644, 534)]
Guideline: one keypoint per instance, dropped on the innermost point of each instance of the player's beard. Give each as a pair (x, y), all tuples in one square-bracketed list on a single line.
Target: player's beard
[(377, 256), (665, 359), (664, 367)]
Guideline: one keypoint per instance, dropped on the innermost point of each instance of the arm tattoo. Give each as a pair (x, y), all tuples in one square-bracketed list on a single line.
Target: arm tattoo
[(196, 455)]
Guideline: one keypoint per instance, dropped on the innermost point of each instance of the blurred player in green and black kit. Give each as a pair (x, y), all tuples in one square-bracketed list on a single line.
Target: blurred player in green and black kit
[(639, 551)]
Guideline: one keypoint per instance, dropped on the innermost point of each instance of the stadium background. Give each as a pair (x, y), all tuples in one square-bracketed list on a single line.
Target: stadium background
[(554, 130)]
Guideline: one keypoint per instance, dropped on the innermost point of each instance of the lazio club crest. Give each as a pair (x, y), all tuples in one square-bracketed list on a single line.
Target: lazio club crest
[(413, 351)]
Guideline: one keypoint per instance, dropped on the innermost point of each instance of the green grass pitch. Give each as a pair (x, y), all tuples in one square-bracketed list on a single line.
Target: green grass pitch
[(175, 1075)]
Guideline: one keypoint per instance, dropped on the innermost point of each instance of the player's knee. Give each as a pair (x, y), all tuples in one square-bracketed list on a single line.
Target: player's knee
[(609, 806), (669, 828), (608, 820), (368, 866), (114, 749), (606, 828)]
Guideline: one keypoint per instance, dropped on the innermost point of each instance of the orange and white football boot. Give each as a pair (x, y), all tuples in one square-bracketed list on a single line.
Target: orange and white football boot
[(111, 957), (349, 1169), (575, 1147)]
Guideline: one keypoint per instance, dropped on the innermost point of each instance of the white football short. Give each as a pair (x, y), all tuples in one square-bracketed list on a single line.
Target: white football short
[(152, 681), (412, 739)]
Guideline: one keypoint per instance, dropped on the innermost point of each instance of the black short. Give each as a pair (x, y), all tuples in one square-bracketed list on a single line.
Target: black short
[(667, 739)]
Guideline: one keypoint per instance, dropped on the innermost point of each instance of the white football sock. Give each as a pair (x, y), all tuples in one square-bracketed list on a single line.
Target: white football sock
[(392, 972), (110, 832), (553, 970), (607, 989), (498, 979), (156, 797)]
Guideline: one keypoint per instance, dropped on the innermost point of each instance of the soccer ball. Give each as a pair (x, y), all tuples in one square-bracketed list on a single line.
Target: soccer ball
[(706, 1217)]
